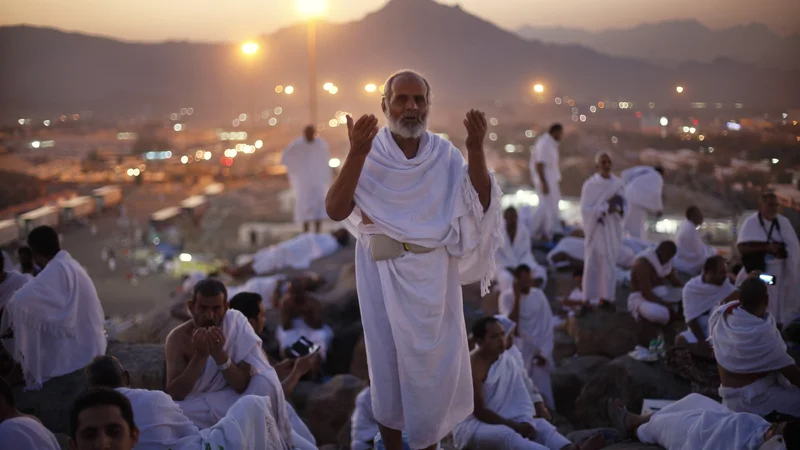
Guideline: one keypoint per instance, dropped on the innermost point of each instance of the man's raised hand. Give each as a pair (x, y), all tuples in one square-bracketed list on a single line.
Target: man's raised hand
[(476, 126), (362, 133)]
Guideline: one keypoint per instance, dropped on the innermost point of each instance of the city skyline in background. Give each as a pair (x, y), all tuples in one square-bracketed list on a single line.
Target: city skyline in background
[(212, 21)]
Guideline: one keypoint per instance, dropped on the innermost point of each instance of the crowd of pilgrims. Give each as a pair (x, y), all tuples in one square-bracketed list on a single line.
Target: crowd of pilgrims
[(428, 378)]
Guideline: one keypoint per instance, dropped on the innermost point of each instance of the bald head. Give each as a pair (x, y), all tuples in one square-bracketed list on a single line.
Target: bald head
[(107, 371), (666, 251)]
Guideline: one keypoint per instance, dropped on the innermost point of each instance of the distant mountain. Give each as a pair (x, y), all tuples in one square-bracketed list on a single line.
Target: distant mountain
[(681, 41), (467, 59)]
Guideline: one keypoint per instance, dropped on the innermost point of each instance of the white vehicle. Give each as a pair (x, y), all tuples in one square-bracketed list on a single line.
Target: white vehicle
[(107, 197), (46, 215), (77, 208)]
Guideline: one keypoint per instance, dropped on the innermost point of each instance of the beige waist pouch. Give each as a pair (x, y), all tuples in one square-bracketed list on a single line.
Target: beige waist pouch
[(384, 248)]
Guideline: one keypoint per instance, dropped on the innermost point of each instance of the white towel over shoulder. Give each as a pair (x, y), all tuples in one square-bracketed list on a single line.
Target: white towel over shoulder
[(700, 298)]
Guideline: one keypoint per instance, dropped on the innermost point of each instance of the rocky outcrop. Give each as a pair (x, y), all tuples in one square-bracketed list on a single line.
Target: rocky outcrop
[(564, 346), (330, 405), (610, 381), (569, 378), (653, 380), (603, 333)]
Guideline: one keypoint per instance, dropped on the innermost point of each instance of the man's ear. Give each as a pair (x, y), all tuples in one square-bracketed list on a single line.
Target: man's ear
[(135, 435), (383, 104), (127, 377)]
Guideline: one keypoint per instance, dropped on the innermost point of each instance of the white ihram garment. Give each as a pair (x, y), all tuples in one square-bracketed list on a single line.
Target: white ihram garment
[(411, 306), (696, 422), (57, 320), (263, 286), (211, 396), (364, 427), (692, 251), (783, 299), (12, 283), (310, 176), (534, 336), (643, 192), (639, 306), (506, 394), (296, 253), (747, 344), (321, 336), (603, 237), (545, 151), (25, 433), (699, 299), (512, 254), (163, 425)]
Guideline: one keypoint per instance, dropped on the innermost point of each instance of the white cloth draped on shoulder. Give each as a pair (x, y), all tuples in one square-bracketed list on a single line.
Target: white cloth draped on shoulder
[(161, 422), (57, 321), (643, 188), (603, 236), (744, 343), (692, 251), (296, 253), (508, 327), (364, 427), (411, 306), (638, 306), (514, 253), (701, 298), (310, 175), (248, 425), (26, 433), (211, 396), (696, 422), (783, 299)]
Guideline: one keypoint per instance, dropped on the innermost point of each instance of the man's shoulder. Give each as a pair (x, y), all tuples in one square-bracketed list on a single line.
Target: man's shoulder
[(179, 334), (480, 367)]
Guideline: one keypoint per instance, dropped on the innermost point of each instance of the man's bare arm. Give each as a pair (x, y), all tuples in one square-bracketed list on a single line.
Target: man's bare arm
[(480, 411), (339, 202), (540, 172), (181, 375), (476, 125), (236, 374), (641, 271), (792, 373), (674, 280)]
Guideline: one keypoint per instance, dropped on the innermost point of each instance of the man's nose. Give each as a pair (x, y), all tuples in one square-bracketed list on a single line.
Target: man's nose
[(411, 104), (103, 442)]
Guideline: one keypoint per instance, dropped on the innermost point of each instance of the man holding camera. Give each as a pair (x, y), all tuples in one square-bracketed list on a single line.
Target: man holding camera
[(768, 243)]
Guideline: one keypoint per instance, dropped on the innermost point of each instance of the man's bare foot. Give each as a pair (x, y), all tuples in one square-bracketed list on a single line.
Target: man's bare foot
[(596, 442)]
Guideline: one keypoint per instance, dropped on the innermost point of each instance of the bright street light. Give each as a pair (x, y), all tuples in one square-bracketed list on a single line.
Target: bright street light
[(333, 90), (327, 86), (538, 88), (289, 90), (311, 8), (250, 48), (679, 89), (664, 121), (370, 88)]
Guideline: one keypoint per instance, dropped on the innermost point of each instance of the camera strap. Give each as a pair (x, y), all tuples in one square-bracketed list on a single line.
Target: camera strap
[(772, 227)]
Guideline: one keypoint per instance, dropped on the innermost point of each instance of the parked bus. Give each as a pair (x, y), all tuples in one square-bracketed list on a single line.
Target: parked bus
[(77, 208), (46, 215), (195, 206), (107, 197)]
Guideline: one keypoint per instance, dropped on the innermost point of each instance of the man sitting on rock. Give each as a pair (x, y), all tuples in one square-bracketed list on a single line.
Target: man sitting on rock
[(503, 416), (102, 418), (162, 424), (215, 358), (692, 251), (698, 423), (650, 298), (20, 431), (516, 250), (702, 295), (301, 315), (528, 307), (56, 319), (575, 302), (296, 253), (757, 374)]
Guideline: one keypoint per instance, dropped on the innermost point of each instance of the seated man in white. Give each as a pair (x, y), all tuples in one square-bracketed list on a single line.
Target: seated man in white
[(56, 318), (301, 315), (503, 416), (575, 301), (162, 425), (696, 422), (10, 280), (569, 251), (692, 251), (516, 250), (757, 375), (702, 295), (216, 358), (650, 298), (363, 427), (296, 253), (20, 431), (528, 307)]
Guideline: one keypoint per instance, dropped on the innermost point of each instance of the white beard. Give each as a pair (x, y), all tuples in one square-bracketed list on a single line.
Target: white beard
[(405, 131)]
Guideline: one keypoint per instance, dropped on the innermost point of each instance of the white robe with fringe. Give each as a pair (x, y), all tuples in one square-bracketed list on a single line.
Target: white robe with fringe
[(699, 299), (643, 192), (692, 251), (784, 302), (603, 237), (534, 336), (411, 306), (25, 433), (296, 253), (506, 394), (514, 253), (310, 176), (211, 396), (747, 344), (57, 320), (696, 422)]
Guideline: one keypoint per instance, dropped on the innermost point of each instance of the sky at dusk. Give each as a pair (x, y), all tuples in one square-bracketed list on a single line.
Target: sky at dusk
[(217, 20)]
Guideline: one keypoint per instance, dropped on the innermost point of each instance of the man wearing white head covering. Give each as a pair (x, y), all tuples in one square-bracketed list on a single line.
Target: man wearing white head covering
[(306, 160), (651, 298), (516, 250), (692, 251), (643, 191), (701, 295), (757, 375), (768, 243), (528, 307), (426, 223), (602, 207), (546, 177)]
